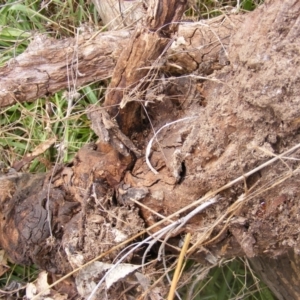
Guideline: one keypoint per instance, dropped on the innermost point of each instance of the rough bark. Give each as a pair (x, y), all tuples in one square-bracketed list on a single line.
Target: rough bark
[(133, 71), (117, 14), (243, 114), (280, 274), (48, 65)]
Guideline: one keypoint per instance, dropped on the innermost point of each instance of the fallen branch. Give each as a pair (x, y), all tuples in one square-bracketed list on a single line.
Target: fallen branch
[(50, 65)]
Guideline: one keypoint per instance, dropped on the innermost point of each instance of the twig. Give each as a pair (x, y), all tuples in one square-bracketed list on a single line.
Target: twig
[(12, 291), (148, 208), (185, 219)]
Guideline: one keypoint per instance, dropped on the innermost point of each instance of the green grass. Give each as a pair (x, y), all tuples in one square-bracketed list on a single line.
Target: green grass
[(25, 126), (232, 280), (16, 279), (210, 8)]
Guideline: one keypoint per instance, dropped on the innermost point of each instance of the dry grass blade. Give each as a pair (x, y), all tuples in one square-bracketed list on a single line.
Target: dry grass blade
[(179, 266)]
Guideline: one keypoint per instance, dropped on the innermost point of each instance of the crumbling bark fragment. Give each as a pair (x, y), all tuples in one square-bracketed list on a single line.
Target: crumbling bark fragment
[(133, 71)]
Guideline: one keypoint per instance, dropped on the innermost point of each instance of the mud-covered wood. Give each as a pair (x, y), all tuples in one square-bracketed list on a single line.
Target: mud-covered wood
[(77, 200), (243, 113)]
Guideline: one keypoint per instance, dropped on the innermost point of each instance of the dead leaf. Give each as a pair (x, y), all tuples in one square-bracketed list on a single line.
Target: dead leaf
[(85, 279), (41, 285), (40, 149)]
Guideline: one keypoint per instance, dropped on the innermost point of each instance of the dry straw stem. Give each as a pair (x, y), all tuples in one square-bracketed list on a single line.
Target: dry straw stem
[(178, 269), (155, 283), (193, 204)]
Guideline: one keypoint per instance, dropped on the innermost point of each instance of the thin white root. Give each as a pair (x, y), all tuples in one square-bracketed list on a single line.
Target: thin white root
[(149, 146), (173, 227)]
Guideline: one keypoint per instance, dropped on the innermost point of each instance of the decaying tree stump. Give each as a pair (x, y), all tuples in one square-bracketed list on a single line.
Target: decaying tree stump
[(232, 104)]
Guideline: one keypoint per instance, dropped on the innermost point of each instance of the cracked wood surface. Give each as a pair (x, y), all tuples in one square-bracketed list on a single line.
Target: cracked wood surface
[(49, 65)]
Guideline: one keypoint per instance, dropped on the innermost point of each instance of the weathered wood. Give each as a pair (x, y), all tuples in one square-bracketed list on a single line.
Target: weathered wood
[(206, 158), (133, 70), (116, 14), (49, 65), (281, 274)]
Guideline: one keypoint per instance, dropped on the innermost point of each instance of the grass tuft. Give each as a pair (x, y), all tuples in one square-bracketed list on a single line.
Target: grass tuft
[(232, 279), (25, 126)]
